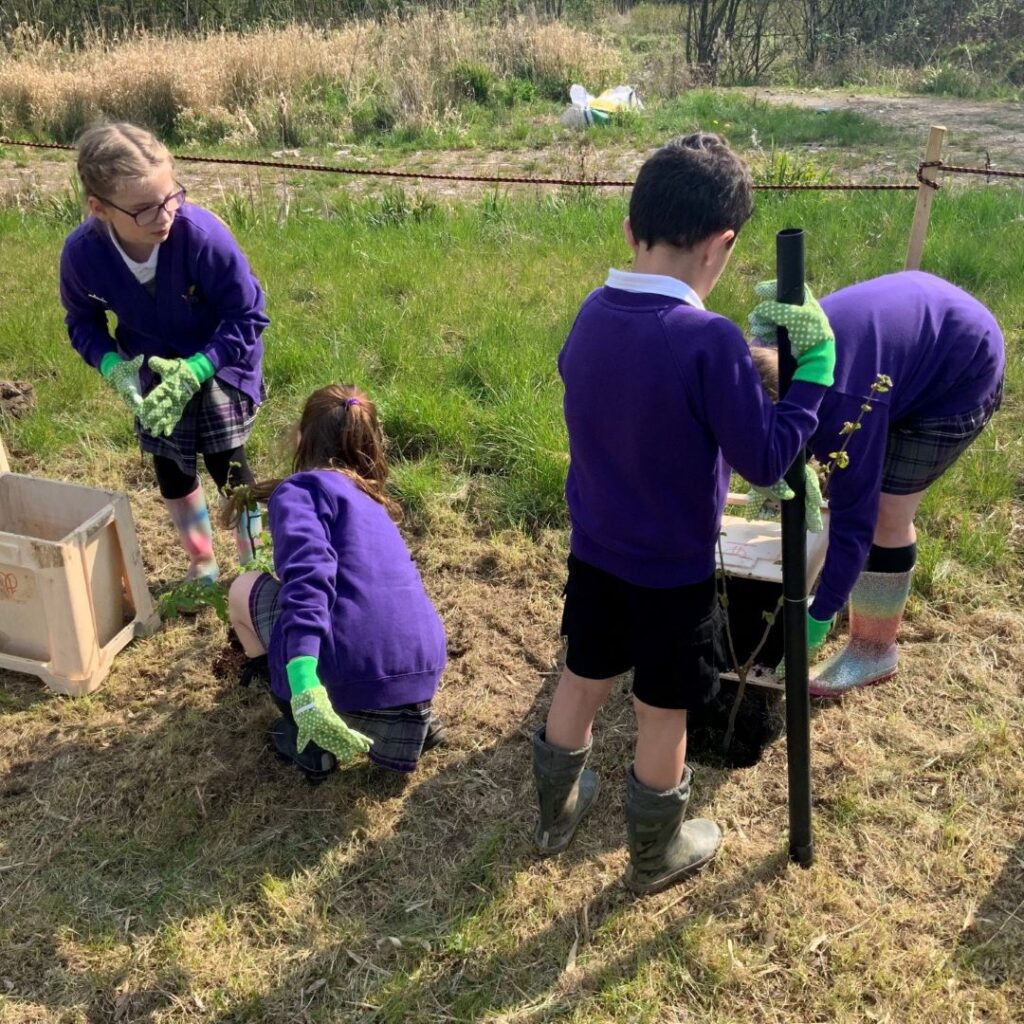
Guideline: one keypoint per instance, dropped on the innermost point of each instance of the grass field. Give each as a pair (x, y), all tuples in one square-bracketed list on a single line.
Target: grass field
[(428, 81), (156, 862), (428, 78)]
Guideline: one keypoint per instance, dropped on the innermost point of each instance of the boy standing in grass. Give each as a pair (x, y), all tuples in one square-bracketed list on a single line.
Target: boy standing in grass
[(661, 398)]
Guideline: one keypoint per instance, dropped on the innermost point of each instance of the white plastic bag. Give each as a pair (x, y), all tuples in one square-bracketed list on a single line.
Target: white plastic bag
[(587, 110)]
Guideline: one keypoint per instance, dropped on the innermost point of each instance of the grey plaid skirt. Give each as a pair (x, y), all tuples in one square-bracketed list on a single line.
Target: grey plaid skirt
[(217, 418), (920, 450), (397, 733)]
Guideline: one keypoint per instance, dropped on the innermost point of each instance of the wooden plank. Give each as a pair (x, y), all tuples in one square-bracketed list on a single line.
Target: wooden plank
[(925, 195)]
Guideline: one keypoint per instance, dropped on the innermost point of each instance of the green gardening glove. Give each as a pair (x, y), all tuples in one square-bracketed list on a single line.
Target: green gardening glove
[(123, 376), (180, 380), (765, 500), (810, 333), (316, 718), (817, 631), (763, 330)]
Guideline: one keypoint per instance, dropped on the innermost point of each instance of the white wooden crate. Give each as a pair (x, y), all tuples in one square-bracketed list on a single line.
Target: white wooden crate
[(72, 587)]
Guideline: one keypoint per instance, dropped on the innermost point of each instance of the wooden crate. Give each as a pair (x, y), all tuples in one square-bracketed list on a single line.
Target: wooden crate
[(72, 586), (752, 551)]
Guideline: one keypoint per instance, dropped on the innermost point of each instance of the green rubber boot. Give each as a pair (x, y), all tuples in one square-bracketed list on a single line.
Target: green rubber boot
[(664, 849), (566, 790)]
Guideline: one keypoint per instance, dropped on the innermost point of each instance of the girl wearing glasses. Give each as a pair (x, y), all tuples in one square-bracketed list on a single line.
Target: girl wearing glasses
[(186, 354)]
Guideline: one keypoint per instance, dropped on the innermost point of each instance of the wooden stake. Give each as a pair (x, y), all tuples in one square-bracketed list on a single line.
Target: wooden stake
[(925, 195), (5, 466)]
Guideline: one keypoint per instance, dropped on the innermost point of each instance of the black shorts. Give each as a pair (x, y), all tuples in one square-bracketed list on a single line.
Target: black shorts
[(671, 637)]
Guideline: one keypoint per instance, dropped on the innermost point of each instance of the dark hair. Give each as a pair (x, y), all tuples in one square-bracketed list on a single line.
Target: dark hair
[(691, 188), (339, 430)]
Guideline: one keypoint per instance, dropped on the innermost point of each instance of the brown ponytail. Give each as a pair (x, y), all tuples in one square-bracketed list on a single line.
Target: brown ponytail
[(339, 430)]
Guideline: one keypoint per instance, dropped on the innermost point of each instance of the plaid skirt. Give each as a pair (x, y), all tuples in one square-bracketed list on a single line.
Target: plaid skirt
[(217, 418), (397, 733), (920, 450)]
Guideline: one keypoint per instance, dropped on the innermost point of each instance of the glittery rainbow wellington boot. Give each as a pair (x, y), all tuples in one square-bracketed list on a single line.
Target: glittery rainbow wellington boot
[(248, 539), (191, 519), (870, 655)]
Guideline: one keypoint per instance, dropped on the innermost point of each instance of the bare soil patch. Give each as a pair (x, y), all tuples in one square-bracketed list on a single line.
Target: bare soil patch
[(974, 127), (33, 175)]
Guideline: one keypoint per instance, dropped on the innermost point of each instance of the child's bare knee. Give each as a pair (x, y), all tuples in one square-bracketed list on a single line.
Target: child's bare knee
[(648, 713), (238, 597)]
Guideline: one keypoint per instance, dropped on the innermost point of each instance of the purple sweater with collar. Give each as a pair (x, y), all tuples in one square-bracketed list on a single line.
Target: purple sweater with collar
[(351, 596), (660, 399), (207, 300), (944, 352)]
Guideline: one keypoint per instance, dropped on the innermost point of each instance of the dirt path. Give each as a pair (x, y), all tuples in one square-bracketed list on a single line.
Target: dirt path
[(974, 127)]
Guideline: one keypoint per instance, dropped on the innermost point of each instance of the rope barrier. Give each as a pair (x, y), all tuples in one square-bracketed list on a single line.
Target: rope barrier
[(496, 179), (921, 167), (989, 171), (485, 178)]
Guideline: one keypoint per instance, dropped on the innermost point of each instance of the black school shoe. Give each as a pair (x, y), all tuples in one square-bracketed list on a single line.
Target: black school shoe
[(257, 669), (314, 762), (436, 736)]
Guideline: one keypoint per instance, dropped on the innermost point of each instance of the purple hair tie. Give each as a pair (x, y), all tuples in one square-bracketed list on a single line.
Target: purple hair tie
[(349, 402)]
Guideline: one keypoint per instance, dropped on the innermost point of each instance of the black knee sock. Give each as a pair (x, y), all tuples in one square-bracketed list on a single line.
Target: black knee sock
[(173, 483), (229, 469), (891, 559)]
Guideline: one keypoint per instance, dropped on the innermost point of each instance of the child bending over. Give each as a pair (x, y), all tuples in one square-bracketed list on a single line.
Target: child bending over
[(186, 355), (944, 356)]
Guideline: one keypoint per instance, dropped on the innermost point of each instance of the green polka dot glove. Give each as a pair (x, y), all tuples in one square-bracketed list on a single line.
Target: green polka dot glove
[(123, 376), (810, 333), (316, 718), (180, 380), (764, 501)]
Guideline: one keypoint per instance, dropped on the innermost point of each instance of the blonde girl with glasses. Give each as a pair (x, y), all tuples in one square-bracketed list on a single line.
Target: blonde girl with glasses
[(186, 354)]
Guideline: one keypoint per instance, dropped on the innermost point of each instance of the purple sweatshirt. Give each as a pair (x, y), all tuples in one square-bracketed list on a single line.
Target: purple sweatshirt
[(656, 393), (944, 352), (351, 596), (207, 300)]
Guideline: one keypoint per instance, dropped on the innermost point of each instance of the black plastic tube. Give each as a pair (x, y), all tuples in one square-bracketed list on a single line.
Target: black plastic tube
[(789, 263)]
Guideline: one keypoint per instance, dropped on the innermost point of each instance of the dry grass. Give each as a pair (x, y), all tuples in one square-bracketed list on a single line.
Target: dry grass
[(254, 87), (160, 866)]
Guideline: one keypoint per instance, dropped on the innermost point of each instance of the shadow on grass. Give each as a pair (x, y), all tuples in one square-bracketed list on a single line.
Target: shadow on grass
[(20, 692), (125, 835), (124, 823), (458, 909), (993, 946)]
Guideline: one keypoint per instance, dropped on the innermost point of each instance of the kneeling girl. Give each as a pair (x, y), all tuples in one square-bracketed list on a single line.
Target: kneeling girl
[(354, 646)]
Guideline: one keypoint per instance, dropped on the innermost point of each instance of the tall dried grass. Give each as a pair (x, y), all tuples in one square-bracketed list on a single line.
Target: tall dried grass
[(286, 84)]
